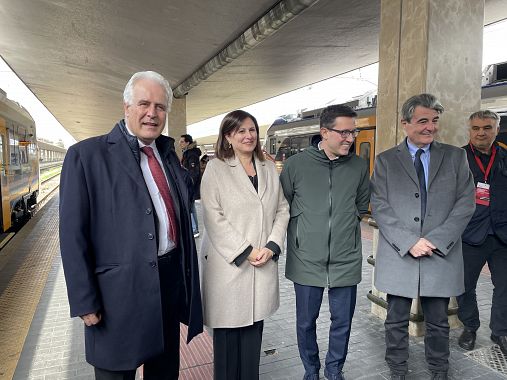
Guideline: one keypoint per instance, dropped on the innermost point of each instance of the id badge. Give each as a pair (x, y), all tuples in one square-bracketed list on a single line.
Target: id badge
[(482, 194)]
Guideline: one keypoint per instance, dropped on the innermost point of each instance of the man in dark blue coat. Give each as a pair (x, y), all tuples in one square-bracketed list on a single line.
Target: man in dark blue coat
[(126, 240), (485, 238), (190, 161)]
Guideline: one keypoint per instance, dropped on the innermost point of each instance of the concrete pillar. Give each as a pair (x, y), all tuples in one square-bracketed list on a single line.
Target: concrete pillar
[(429, 46), (176, 124)]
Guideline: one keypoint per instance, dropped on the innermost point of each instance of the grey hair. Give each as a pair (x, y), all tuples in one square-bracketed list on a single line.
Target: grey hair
[(151, 75), (486, 114), (423, 100)]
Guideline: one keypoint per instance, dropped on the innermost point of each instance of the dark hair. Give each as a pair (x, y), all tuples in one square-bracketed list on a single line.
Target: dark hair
[(230, 124), (330, 113), (188, 138), (424, 100)]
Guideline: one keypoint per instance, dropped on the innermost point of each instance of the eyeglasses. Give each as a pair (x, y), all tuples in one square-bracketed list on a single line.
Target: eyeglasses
[(344, 133)]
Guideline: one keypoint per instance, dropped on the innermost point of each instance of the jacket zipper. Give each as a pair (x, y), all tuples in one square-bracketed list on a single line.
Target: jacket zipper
[(329, 220)]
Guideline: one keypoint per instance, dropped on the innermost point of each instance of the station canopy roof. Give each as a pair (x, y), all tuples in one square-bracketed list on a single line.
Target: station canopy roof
[(76, 56)]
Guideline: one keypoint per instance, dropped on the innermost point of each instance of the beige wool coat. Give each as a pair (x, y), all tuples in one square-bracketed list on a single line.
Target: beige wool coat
[(236, 216)]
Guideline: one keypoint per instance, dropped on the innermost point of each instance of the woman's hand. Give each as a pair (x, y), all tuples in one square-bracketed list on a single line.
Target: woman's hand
[(252, 257), (261, 257)]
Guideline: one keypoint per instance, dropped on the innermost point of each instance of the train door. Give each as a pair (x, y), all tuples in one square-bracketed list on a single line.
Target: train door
[(365, 146), (4, 172)]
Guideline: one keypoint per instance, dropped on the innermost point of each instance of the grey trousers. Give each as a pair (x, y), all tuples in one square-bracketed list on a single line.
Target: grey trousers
[(436, 339)]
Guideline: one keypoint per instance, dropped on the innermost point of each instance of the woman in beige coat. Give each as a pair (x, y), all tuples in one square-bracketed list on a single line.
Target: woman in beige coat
[(246, 216)]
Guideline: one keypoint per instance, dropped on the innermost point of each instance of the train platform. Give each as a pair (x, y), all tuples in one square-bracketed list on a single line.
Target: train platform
[(39, 341)]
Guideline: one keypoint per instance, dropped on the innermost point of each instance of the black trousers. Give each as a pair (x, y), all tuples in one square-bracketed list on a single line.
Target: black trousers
[(237, 352), (165, 366), (436, 338), (493, 252)]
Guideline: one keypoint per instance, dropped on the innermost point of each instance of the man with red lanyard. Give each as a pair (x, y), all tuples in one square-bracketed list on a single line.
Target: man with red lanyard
[(485, 238)]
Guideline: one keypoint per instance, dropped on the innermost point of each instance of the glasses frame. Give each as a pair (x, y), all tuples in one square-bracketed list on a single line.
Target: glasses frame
[(346, 132)]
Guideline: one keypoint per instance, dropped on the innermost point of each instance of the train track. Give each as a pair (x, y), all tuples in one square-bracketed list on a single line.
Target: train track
[(46, 191)]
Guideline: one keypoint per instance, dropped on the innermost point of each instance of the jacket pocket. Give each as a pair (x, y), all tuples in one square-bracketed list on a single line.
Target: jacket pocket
[(294, 226), (101, 269), (297, 232)]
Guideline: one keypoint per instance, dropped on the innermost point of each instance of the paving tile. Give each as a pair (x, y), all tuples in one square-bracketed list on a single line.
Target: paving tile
[(54, 344)]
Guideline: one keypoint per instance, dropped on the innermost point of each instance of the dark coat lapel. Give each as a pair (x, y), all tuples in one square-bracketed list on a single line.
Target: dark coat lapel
[(165, 149), (122, 154)]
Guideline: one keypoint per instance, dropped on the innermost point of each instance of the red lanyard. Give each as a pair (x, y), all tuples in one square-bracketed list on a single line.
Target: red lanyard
[(481, 166)]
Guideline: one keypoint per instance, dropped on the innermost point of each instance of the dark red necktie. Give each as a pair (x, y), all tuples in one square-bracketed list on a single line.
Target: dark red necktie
[(163, 188)]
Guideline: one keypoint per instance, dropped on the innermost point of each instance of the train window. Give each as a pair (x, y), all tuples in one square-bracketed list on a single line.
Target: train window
[(298, 144), (315, 140), (2, 143), (14, 150), (502, 135), (305, 143), (272, 145), (365, 152), (284, 150)]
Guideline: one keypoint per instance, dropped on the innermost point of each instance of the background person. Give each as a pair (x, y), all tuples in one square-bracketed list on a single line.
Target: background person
[(203, 162), (190, 161), (485, 238), (327, 187), (245, 215), (422, 199), (126, 243)]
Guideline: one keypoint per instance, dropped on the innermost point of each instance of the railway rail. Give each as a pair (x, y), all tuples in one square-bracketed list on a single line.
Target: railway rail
[(47, 189)]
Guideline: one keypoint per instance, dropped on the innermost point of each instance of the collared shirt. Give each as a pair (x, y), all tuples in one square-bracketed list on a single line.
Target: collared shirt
[(320, 148), (165, 244), (425, 157), (484, 157)]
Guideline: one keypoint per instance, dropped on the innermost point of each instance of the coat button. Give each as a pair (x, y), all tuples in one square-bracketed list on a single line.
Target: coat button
[(416, 219), (150, 236), (148, 211), (153, 264), (416, 195)]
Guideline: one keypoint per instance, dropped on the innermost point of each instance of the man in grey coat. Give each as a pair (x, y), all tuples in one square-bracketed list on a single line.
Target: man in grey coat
[(422, 199)]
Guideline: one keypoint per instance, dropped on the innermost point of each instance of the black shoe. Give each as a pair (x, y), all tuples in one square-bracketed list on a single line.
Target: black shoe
[(467, 340), (332, 376), (501, 341), (438, 375)]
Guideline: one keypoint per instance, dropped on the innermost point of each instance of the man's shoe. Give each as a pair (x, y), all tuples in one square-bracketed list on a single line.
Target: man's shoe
[(196, 234), (395, 376), (467, 340), (438, 375), (333, 376), (501, 341)]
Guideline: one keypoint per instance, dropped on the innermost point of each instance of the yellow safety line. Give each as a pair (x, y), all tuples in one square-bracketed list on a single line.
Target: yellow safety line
[(21, 296)]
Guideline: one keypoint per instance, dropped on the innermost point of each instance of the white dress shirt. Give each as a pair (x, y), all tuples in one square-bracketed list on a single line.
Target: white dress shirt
[(165, 244)]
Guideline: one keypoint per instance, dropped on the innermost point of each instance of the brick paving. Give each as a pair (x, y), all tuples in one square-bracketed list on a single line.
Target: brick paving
[(54, 347)]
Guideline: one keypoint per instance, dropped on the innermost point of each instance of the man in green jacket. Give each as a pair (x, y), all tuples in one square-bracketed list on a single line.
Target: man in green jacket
[(327, 187)]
